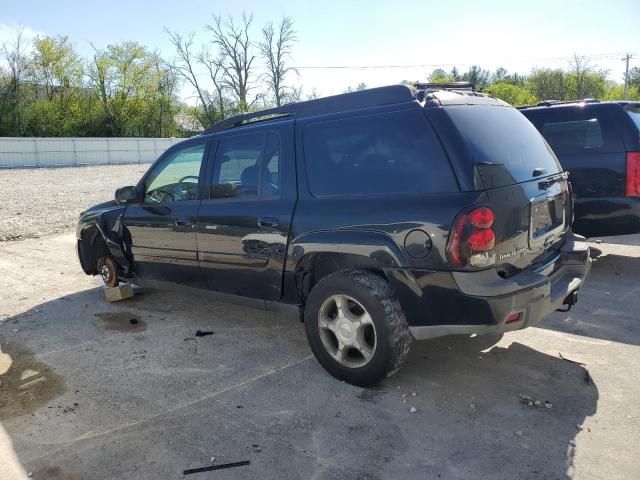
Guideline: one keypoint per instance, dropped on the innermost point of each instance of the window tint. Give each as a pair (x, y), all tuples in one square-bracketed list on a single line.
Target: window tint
[(380, 154), (175, 179), (247, 166), (573, 135), (505, 147), (634, 113), (578, 129)]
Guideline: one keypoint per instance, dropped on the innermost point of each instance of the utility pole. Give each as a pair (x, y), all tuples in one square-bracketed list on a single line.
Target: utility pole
[(626, 58)]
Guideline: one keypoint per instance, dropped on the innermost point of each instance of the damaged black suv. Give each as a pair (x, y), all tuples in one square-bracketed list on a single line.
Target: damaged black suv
[(380, 216)]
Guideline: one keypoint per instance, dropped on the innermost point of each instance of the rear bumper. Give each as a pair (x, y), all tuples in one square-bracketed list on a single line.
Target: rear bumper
[(607, 216), (531, 294)]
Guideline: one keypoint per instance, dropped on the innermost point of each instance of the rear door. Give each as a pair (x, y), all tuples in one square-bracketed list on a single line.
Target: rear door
[(243, 225), (525, 184), (588, 142)]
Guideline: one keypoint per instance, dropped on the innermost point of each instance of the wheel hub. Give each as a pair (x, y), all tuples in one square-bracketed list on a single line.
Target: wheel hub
[(347, 331), (105, 273)]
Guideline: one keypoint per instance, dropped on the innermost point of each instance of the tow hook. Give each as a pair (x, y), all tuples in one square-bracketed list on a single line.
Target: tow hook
[(570, 301)]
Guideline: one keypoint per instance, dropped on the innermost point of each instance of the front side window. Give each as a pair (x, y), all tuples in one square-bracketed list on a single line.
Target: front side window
[(379, 154), (176, 178), (247, 166)]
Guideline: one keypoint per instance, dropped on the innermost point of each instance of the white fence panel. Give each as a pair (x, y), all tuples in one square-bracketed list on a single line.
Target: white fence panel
[(52, 152), (91, 151), (16, 152)]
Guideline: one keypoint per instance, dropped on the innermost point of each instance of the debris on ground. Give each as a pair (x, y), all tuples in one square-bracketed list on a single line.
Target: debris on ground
[(133, 321), (212, 459), (216, 467), (519, 433), (413, 410), (203, 333), (121, 292), (532, 402)]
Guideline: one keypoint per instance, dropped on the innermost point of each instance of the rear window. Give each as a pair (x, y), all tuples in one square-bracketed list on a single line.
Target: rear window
[(573, 135), (505, 147), (377, 154)]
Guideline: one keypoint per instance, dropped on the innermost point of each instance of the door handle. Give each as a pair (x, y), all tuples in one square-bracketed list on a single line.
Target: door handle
[(268, 222), (183, 223)]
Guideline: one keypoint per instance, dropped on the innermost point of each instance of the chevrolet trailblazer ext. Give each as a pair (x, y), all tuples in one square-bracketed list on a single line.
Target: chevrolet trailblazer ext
[(381, 216)]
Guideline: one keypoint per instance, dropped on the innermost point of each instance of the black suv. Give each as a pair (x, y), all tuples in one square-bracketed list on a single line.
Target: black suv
[(599, 144), (379, 216)]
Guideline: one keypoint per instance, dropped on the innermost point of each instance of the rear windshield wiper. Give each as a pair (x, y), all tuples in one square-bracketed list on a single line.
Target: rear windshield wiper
[(545, 184)]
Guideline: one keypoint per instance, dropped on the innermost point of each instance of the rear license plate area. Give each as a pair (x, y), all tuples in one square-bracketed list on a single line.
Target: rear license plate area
[(547, 218)]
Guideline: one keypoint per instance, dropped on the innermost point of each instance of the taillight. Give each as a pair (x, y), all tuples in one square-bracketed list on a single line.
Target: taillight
[(633, 175), (569, 200), (472, 239)]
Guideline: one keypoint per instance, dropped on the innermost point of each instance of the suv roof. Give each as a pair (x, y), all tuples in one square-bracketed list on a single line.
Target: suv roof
[(430, 95), (584, 101)]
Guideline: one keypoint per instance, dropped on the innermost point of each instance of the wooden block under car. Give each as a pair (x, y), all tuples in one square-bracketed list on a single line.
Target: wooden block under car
[(121, 292)]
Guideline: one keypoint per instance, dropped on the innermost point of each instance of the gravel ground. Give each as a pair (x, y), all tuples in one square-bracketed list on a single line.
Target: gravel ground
[(48, 200)]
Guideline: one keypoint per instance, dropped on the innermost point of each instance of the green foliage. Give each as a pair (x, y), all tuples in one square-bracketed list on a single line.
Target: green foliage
[(514, 94), (616, 92)]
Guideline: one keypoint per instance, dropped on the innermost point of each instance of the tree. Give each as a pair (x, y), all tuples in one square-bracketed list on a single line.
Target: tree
[(186, 64), (634, 76), (275, 49), (477, 76), (438, 76), (361, 86), (548, 84), (513, 94), (56, 66), (498, 75), (129, 81), (17, 63), (237, 54), (583, 81)]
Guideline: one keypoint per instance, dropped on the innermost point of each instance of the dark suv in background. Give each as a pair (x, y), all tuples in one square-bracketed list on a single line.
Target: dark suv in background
[(379, 216), (598, 143)]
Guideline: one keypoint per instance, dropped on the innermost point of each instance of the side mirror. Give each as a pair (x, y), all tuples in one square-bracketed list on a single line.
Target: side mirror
[(126, 195)]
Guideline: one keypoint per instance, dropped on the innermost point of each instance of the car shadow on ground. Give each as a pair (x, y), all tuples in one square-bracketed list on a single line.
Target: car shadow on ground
[(92, 384), (608, 303)]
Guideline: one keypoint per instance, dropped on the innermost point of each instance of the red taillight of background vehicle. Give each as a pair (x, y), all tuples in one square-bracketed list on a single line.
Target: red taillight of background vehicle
[(472, 239), (633, 175)]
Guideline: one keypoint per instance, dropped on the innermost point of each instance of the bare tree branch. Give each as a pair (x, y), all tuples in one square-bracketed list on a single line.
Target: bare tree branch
[(236, 54), (275, 49)]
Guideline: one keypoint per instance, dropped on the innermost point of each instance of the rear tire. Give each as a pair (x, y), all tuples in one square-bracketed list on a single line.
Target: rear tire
[(356, 327), (108, 271)]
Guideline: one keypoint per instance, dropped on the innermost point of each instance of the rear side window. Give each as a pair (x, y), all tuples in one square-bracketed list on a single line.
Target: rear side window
[(247, 166), (634, 113), (378, 154), (505, 147)]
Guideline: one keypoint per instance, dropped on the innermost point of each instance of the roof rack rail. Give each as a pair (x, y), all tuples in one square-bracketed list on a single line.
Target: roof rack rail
[(372, 97), (444, 86), (550, 103)]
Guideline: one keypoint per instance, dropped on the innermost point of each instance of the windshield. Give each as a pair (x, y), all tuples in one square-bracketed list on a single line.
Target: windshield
[(505, 147)]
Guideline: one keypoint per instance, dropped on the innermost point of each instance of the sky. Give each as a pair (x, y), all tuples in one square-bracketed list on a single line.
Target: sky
[(397, 40)]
